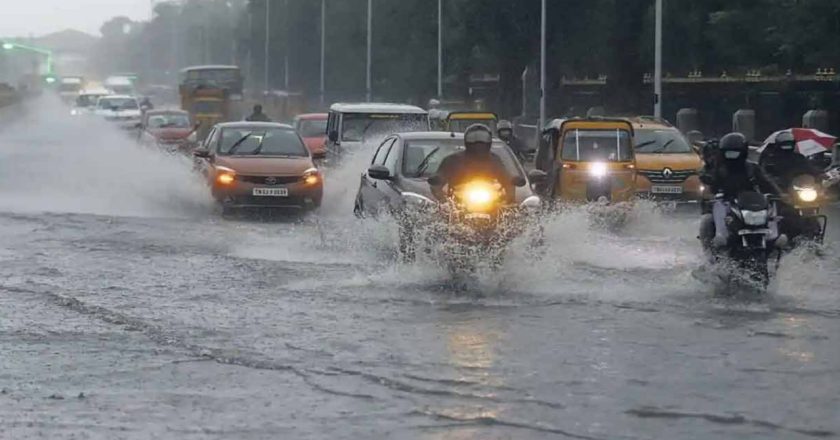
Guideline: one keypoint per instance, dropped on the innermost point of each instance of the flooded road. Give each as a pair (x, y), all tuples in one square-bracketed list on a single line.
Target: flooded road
[(129, 309)]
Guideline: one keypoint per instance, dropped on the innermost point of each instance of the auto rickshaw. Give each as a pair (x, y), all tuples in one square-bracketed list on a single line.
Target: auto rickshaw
[(589, 160), (458, 121)]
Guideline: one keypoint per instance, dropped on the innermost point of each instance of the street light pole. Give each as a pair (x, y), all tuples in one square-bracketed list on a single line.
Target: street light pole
[(323, 47), (46, 53), (368, 87), (286, 44), (267, 38), (542, 66), (440, 51), (657, 76)]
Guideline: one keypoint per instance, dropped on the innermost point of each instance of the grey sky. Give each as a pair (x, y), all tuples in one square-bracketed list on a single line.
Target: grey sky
[(38, 17)]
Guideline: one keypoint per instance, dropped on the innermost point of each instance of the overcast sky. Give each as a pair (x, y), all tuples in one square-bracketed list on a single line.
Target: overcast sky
[(38, 17)]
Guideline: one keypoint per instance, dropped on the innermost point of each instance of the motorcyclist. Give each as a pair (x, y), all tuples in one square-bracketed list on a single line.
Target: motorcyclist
[(782, 162), (257, 115), (730, 175), (504, 129), (475, 162)]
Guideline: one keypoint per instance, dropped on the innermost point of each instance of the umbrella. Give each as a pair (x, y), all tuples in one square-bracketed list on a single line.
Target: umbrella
[(808, 141)]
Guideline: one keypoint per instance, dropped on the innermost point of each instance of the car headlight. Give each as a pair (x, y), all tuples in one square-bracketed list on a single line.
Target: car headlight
[(754, 218), (417, 199), (532, 202), (225, 176), (311, 176), (598, 169), (806, 194), (193, 137), (74, 112)]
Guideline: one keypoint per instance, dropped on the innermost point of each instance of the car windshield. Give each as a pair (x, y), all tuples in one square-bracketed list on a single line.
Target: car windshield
[(661, 142), (207, 107), (312, 127), (169, 120), (434, 151), (118, 103), (87, 100), (251, 141), (357, 127), (597, 145), (461, 125)]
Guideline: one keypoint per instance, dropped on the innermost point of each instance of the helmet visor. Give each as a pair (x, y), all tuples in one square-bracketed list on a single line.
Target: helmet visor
[(732, 155)]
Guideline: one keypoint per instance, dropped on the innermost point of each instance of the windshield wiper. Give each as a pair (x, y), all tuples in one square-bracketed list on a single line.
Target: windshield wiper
[(425, 163), (238, 143), (256, 151)]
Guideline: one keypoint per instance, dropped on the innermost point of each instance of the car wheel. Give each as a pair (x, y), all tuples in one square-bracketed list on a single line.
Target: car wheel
[(359, 207)]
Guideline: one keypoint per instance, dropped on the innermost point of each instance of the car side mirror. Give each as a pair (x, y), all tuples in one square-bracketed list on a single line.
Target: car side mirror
[(537, 177), (202, 153), (333, 136), (379, 172), (519, 181), (196, 126)]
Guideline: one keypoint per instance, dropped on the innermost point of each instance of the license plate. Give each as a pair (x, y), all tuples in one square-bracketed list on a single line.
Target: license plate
[(271, 192), (658, 189)]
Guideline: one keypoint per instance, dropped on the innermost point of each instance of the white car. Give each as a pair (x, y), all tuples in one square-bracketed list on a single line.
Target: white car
[(86, 100), (123, 110)]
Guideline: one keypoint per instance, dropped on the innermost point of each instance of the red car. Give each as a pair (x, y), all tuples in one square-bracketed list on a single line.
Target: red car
[(169, 129), (312, 127)]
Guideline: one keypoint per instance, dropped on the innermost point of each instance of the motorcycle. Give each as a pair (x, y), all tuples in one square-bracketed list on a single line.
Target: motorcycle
[(802, 217), (750, 220)]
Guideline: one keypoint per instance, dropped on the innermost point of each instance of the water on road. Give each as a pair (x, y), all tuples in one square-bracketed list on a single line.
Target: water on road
[(130, 309)]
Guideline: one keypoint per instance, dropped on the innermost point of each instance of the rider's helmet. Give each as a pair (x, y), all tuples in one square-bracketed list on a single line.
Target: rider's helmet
[(785, 141), (477, 139), (505, 129), (733, 147)]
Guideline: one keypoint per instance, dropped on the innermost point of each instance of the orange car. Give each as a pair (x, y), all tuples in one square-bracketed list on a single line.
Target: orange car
[(312, 127), (667, 165), (260, 165)]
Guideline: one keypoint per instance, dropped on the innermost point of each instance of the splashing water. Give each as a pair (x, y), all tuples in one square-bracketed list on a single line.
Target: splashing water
[(53, 162)]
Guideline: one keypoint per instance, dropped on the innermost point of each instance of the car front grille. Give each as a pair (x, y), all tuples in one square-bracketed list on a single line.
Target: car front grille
[(660, 176), (270, 180)]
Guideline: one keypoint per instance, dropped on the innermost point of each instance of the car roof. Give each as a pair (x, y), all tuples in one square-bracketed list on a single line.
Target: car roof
[(162, 111), (376, 107), (433, 136), (210, 67), (317, 116), (249, 124), (118, 97)]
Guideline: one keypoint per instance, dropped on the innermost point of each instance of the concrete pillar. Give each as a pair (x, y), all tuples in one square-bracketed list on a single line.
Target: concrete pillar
[(743, 121), (816, 119), (688, 119)]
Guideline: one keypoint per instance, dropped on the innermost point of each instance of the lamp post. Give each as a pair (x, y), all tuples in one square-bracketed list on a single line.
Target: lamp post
[(542, 66), (657, 76), (267, 39), (368, 87), (323, 47), (46, 53), (440, 51)]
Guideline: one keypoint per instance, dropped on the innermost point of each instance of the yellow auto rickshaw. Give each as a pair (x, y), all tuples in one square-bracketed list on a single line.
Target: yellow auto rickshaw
[(589, 160), (458, 121)]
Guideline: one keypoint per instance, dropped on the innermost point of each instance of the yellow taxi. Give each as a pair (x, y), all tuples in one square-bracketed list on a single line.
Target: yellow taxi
[(667, 166)]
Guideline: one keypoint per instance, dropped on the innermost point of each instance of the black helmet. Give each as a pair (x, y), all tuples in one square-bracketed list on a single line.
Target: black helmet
[(478, 139), (733, 147), (785, 141)]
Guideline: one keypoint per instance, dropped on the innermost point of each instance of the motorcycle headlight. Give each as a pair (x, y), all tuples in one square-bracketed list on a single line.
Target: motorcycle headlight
[(806, 194), (532, 202), (754, 218), (479, 196), (598, 169)]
